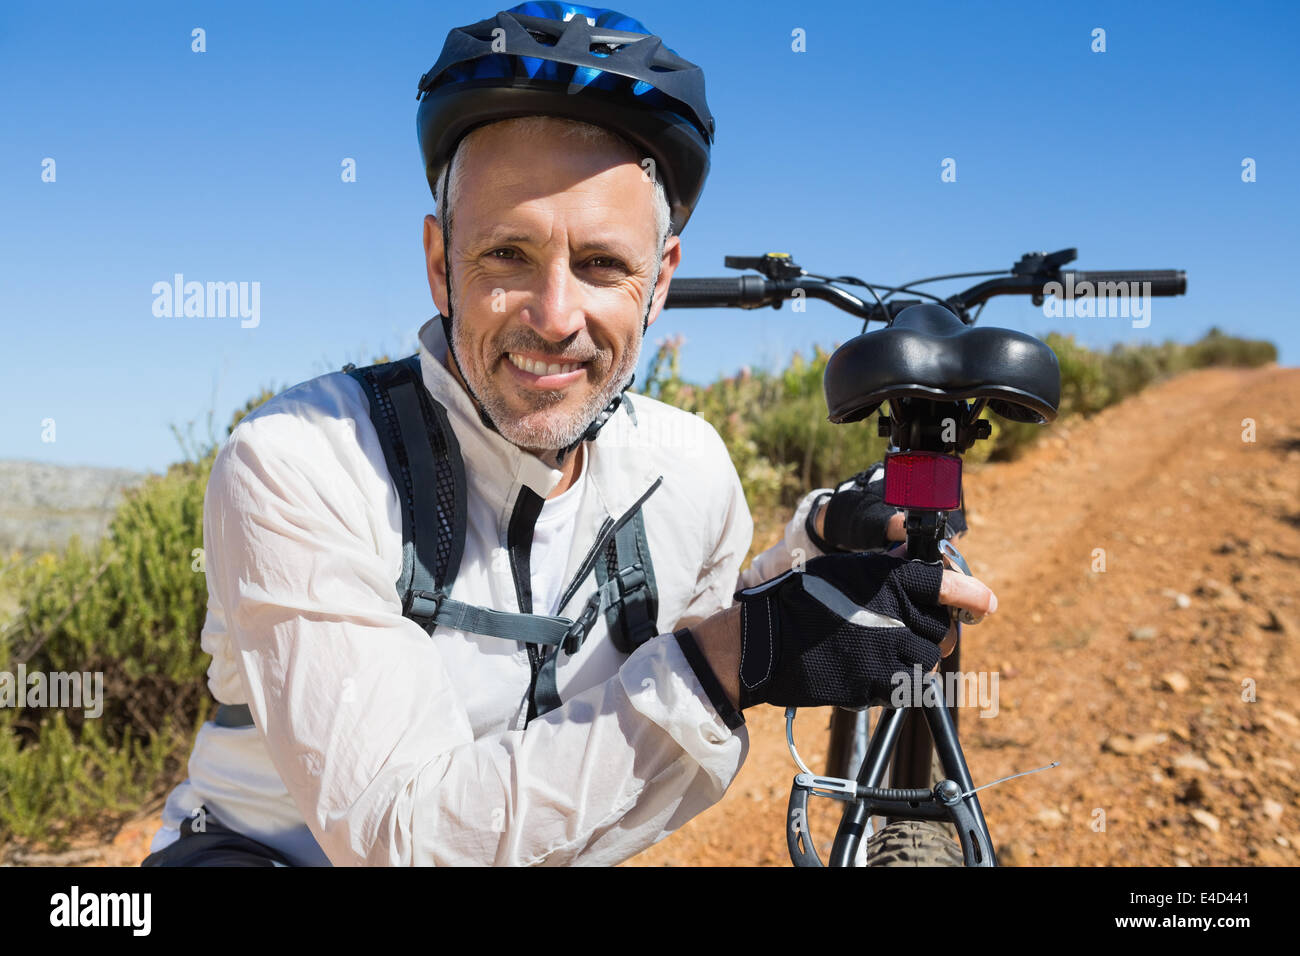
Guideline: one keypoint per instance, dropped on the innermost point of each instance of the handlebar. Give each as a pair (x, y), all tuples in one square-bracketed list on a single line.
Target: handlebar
[(745, 292), (1037, 275), (754, 292), (1163, 281)]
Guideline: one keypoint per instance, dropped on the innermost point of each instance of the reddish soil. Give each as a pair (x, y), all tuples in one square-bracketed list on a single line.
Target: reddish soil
[(1160, 683), (1135, 678)]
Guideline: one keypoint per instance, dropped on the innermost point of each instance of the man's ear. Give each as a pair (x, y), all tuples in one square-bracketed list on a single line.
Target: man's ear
[(435, 262), (672, 259)]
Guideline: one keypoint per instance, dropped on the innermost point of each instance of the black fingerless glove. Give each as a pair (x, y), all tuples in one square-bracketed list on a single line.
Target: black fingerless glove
[(837, 632), (857, 518)]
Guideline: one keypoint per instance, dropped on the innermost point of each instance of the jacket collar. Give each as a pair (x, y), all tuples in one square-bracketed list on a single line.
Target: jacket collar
[(615, 469)]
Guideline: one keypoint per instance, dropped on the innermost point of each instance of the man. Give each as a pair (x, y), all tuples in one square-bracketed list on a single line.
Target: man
[(369, 738)]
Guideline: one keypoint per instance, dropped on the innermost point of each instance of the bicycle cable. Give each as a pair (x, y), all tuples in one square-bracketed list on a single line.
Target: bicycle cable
[(871, 288), (955, 275), (909, 287), (1054, 763), (851, 280), (843, 788), (890, 290)]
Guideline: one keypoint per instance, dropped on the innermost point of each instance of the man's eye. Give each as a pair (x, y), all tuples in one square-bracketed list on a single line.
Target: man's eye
[(606, 262), (493, 253)]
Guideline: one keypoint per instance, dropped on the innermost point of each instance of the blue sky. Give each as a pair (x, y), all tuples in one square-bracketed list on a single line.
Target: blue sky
[(225, 166)]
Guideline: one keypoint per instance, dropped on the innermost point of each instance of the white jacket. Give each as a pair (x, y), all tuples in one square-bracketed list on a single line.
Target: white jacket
[(378, 744)]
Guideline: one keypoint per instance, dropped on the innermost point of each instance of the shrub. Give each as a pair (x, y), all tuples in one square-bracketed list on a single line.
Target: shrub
[(131, 609), (1219, 349)]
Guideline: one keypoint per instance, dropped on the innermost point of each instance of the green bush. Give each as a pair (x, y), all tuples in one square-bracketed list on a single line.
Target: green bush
[(1219, 349), (132, 610)]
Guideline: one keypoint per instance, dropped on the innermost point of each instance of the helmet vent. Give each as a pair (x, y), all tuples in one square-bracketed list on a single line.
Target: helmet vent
[(559, 60)]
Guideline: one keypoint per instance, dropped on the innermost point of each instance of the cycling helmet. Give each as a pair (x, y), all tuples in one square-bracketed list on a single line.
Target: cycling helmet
[(575, 61), (579, 62)]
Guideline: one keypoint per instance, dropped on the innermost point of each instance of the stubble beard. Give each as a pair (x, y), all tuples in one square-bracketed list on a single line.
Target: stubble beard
[(544, 428)]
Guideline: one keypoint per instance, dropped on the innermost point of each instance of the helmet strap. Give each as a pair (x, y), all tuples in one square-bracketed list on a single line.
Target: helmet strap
[(443, 211)]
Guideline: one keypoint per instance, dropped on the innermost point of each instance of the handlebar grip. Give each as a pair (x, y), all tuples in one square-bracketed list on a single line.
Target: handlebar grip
[(725, 292), (1163, 281)]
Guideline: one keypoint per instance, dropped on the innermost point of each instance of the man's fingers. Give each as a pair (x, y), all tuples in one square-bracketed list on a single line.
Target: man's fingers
[(964, 591), (960, 590)]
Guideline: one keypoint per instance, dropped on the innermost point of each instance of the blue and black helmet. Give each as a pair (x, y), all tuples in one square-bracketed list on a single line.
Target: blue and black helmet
[(584, 63)]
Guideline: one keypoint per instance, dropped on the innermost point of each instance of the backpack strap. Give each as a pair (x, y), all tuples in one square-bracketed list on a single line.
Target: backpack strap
[(627, 595), (631, 617), (422, 454)]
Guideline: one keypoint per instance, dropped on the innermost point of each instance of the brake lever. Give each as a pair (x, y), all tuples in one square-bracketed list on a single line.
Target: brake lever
[(953, 560)]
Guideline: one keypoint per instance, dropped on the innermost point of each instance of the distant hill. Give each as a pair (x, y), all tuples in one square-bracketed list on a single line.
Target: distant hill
[(43, 505)]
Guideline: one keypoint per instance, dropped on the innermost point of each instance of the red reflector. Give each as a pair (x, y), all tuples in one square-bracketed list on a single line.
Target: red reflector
[(923, 479)]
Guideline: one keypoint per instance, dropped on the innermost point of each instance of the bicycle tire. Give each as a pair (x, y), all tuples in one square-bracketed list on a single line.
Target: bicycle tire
[(903, 843), (916, 842)]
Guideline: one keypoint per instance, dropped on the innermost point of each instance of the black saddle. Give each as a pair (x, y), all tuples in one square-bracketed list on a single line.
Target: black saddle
[(929, 353)]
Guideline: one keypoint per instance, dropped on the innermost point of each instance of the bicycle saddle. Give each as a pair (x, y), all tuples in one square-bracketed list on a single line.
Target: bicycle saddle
[(927, 352)]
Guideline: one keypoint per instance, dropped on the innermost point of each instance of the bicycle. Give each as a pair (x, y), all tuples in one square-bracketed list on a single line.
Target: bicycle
[(938, 374)]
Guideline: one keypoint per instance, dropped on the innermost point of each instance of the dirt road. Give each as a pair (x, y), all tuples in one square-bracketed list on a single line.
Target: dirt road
[(1138, 677), (1147, 564)]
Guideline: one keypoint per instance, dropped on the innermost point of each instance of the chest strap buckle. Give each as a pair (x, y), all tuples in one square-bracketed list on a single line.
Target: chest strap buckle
[(422, 606), (577, 633)]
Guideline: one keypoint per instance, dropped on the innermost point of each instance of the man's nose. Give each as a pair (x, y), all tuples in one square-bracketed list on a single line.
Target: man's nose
[(557, 309)]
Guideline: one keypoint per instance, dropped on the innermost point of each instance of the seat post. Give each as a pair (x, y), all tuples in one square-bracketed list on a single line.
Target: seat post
[(917, 424)]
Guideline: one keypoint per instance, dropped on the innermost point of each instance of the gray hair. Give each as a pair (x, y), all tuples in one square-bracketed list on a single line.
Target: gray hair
[(585, 134)]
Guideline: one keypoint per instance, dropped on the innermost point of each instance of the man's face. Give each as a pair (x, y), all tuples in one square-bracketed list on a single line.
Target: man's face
[(553, 260)]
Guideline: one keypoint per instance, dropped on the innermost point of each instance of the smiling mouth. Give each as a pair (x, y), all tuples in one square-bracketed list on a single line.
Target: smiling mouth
[(537, 367)]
